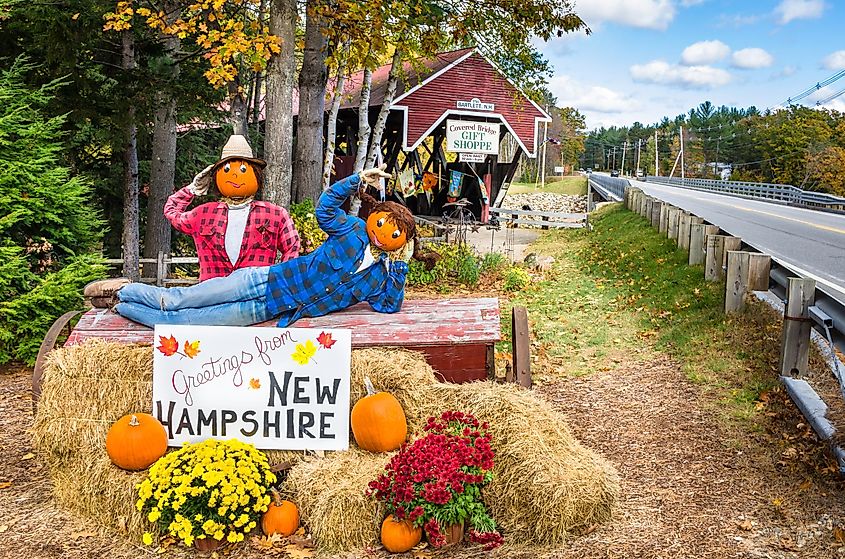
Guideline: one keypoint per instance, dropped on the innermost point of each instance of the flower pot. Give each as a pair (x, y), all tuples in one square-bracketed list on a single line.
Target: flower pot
[(207, 544), (453, 533)]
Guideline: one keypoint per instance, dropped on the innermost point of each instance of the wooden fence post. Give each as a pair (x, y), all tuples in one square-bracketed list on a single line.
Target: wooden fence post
[(716, 255), (674, 217), (655, 213), (686, 231), (683, 230), (736, 284), (663, 228), (521, 347), (161, 271), (759, 268), (698, 233), (649, 204), (795, 339)]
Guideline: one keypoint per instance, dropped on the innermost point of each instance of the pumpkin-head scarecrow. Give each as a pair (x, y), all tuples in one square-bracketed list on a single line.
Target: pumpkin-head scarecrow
[(237, 231), (360, 261)]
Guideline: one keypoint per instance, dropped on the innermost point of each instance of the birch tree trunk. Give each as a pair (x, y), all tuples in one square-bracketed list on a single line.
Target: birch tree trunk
[(381, 121), (131, 238), (163, 165), (278, 133), (331, 125), (363, 134), (308, 150)]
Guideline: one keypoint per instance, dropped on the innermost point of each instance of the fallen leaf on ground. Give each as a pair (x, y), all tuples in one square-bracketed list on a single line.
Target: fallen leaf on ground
[(3, 528), (28, 456), (77, 535), (266, 542), (298, 552), (745, 525), (5, 484), (839, 534)]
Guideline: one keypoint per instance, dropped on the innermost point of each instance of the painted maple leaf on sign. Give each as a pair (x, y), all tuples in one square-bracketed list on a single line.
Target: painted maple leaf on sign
[(168, 346), (325, 340), (254, 383), (304, 352), (192, 348)]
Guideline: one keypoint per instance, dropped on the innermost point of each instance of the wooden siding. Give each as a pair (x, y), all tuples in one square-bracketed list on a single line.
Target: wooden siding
[(471, 78)]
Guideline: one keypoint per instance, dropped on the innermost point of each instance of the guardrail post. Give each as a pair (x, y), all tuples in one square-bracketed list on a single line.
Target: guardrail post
[(698, 233), (716, 255), (795, 339), (663, 227), (656, 210), (649, 204), (674, 218), (683, 230), (736, 285), (759, 268), (642, 202)]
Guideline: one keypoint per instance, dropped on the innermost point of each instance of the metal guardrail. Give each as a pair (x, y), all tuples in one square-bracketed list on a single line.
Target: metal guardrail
[(782, 193), (610, 188)]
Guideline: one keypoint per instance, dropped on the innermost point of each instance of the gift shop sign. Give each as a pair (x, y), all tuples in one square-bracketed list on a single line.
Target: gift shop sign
[(472, 137), (276, 388)]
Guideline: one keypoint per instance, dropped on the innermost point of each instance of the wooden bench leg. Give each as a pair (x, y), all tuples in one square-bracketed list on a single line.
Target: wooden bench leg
[(521, 347)]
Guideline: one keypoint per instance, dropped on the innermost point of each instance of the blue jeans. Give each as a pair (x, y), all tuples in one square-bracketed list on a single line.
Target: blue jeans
[(235, 300)]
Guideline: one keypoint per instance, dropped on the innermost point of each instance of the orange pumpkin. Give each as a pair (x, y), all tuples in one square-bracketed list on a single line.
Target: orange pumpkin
[(281, 518), (384, 233), (378, 421), (236, 178), (399, 536), (135, 441)]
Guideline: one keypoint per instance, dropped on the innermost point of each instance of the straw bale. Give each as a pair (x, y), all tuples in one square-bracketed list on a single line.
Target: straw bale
[(331, 495), (546, 484), (405, 374)]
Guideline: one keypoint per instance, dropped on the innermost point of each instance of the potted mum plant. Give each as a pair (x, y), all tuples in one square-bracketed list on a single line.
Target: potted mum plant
[(206, 493), (435, 482)]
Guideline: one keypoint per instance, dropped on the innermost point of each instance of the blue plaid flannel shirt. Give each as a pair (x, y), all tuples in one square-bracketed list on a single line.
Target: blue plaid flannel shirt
[(325, 280)]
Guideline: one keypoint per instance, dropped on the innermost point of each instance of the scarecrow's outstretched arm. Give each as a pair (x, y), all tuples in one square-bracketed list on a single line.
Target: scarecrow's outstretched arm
[(331, 218)]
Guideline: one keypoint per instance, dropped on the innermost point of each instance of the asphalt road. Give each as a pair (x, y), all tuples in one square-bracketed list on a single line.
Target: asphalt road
[(810, 242)]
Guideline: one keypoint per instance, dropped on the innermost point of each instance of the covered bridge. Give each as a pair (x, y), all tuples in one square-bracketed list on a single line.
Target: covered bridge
[(456, 98)]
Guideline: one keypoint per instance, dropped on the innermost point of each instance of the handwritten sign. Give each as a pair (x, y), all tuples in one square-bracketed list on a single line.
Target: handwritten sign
[(276, 388), (471, 136)]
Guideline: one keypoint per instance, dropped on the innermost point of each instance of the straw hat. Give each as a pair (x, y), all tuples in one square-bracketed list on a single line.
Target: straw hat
[(238, 148)]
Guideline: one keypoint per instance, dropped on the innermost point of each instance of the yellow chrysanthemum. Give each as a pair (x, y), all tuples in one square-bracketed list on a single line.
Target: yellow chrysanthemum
[(147, 538)]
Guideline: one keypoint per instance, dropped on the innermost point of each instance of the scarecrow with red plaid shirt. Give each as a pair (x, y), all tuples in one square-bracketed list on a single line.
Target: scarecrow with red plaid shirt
[(237, 231), (360, 261)]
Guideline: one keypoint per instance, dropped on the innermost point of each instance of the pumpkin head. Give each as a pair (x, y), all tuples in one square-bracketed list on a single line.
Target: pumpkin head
[(384, 231), (398, 536), (135, 441), (281, 518), (236, 178), (378, 421)]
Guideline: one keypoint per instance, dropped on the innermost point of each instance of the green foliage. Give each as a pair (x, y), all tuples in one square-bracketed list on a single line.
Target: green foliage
[(48, 222), (457, 262), (492, 262), (310, 234), (516, 279)]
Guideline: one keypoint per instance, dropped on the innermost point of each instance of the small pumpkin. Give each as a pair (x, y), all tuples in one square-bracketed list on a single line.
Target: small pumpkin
[(135, 441), (236, 178), (398, 536), (281, 518), (384, 233), (378, 421)]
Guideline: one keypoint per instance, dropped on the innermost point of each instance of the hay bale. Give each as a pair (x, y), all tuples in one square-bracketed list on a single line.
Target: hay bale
[(405, 374), (546, 484), (331, 495), (84, 390)]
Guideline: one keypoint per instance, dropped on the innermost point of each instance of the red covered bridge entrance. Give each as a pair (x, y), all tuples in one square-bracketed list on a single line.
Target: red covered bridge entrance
[(461, 100)]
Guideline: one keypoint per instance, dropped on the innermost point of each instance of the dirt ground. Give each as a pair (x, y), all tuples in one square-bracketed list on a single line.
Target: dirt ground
[(689, 489)]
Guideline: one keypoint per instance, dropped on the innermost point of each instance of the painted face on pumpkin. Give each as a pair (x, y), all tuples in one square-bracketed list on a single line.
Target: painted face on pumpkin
[(236, 178), (384, 233)]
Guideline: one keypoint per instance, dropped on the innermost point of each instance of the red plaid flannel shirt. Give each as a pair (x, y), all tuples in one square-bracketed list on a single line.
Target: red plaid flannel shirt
[(269, 229)]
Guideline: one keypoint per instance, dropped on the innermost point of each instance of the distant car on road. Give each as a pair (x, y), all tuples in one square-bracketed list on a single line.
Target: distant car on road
[(614, 173), (589, 170)]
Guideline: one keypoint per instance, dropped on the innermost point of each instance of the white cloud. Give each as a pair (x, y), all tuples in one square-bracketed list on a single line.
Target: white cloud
[(688, 3), (650, 14), (835, 60), (738, 20), (789, 10), (572, 93), (785, 72), (752, 58), (694, 77), (705, 52)]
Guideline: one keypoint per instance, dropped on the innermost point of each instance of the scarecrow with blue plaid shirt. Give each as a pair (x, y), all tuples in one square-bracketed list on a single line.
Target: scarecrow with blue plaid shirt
[(360, 261)]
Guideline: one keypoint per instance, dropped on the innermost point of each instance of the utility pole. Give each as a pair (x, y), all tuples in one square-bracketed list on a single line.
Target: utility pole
[(614, 157), (637, 170), (682, 155), (656, 168), (624, 149)]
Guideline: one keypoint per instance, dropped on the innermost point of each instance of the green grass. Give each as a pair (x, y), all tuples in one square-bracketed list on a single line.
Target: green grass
[(574, 186), (623, 290)]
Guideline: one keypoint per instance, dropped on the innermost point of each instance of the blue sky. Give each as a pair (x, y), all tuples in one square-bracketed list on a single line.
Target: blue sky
[(652, 58)]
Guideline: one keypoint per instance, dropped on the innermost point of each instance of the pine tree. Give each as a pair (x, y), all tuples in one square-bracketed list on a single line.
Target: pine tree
[(49, 227)]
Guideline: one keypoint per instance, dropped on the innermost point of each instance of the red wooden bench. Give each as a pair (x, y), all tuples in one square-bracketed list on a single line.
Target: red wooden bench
[(457, 336)]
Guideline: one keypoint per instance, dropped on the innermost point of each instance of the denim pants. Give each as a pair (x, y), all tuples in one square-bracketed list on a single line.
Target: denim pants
[(239, 299)]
